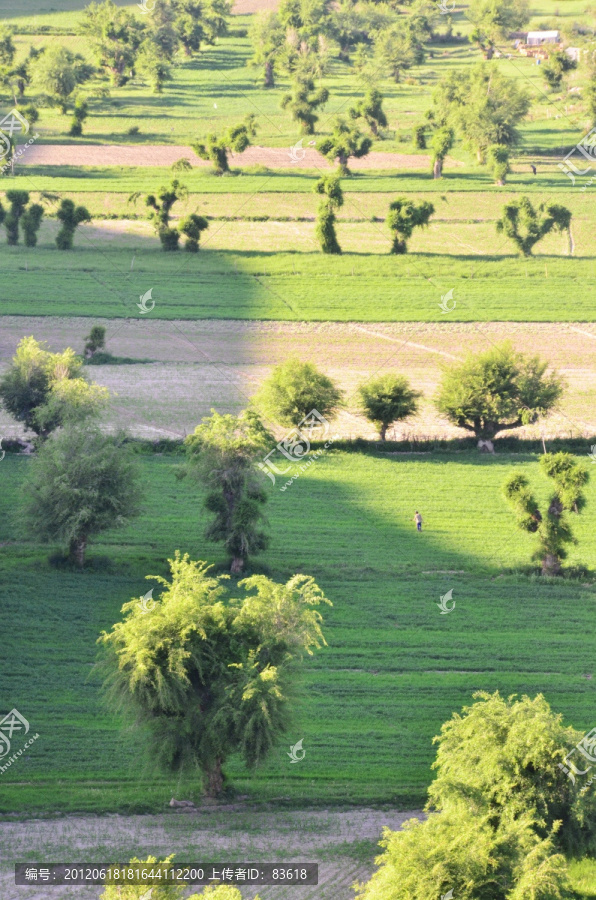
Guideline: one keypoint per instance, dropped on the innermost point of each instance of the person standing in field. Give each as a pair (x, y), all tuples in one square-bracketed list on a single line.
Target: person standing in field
[(418, 520)]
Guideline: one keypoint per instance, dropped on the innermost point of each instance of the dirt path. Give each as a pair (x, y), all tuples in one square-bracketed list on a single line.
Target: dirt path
[(304, 157), (238, 834)]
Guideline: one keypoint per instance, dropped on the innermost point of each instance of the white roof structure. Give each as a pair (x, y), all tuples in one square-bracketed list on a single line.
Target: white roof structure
[(543, 37)]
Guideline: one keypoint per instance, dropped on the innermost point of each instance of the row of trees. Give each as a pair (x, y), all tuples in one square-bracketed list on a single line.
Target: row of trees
[(26, 217), (49, 392)]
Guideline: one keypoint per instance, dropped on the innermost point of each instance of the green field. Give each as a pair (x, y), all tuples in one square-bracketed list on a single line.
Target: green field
[(394, 670)]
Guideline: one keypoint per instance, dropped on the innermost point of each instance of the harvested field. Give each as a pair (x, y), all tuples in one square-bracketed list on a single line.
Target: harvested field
[(197, 365)]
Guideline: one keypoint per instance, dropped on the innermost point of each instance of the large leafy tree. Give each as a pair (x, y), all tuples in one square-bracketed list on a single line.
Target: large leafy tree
[(268, 41), (404, 216), (332, 198), (44, 390), (551, 528), (441, 143), (370, 108), (494, 19), (115, 35), (216, 147), (203, 677), (222, 453), (303, 100), (81, 483), (57, 72), (500, 757), (483, 105), (70, 217), (525, 224), (294, 389), (399, 47), (497, 390), (345, 142), (388, 399), (199, 22), (556, 67), (153, 63)]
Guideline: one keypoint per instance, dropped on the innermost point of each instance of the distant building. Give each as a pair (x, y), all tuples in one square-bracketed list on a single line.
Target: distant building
[(536, 38)]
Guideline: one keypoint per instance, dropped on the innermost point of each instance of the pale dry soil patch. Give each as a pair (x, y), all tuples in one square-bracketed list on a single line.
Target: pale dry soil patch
[(304, 157), (197, 365), (234, 835)]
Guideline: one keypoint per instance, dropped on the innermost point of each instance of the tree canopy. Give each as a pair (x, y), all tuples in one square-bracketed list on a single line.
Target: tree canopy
[(345, 141), (204, 677), (294, 389), (496, 390), (387, 399), (216, 148), (404, 216), (494, 19), (525, 224)]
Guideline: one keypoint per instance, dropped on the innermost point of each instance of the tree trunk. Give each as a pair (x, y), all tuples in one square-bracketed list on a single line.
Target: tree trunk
[(551, 565), (486, 446), (500, 182), (374, 127), (438, 168), (343, 164), (77, 551), (237, 565), (383, 432), (398, 246), (489, 52), (269, 80), (214, 780)]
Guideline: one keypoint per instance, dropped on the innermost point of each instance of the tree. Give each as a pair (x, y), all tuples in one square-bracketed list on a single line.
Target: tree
[(498, 161), (268, 40), (36, 390), (95, 340), (56, 74), (525, 225), (154, 65), (79, 114), (163, 891), (345, 141), (30, 223), (441, 143), (236, 139), (115, 35), (330, 187), (294, 389), (494, 19), (18, 201), (81, 483), (399, 47), (200, 22), (71, 217), (204, 678), (388, 399), (160, 213), (552, 529), (466, 856), (497, 390), (302, 102), (222, 453), (404, 216), (500, 757), (7, 47), (484, 105), (192, 227), (370, 108), (555, 67)]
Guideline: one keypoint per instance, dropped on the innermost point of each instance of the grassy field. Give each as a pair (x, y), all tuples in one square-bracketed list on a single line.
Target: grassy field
[(394, 669)]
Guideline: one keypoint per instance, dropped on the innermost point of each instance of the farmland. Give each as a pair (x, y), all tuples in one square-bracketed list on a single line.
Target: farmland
[(258, 294)]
